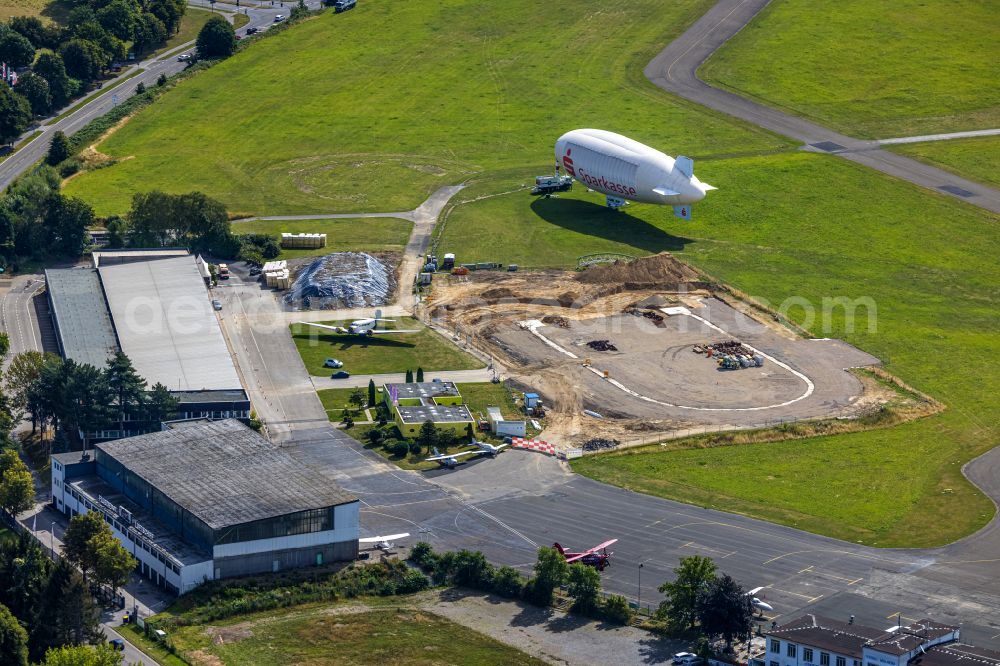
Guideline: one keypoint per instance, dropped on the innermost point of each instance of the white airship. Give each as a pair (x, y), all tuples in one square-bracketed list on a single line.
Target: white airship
[(623, 169)]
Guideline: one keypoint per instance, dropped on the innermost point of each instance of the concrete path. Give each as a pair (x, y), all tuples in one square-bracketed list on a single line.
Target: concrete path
[(407, 215), (361, 381), (940, 137), (675, 70)]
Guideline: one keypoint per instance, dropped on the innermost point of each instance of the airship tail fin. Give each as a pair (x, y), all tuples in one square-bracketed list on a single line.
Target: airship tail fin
[(705, 187), (683, 212), (685, 165), (665, 192)]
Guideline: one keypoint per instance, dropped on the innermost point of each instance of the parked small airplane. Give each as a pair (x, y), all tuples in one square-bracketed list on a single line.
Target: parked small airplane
[(592, 558), (384, 542), (486, 447), (757, 603), (367, 327), (448, 460)]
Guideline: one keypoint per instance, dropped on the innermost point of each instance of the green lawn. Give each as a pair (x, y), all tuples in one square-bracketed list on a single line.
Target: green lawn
[(363, 355), (319, 634), (789, 226), (870, 69), (407, 117), (47, 10), (354, 235), (191, 25), (976, 159)]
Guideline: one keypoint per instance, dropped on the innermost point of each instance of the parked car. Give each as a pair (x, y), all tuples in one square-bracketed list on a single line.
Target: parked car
[(340, 374), (332, 363), (686, 659), (251, 31), (217, 305), (254, 271), (279, 18), (343, 5)]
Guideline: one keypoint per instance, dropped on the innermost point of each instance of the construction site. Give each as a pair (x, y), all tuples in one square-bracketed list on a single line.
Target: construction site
[(646, 347)]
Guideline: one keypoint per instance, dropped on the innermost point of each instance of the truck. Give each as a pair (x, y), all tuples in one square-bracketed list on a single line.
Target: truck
[(343, 5), (223, 272), (448, 263), (549, 184)]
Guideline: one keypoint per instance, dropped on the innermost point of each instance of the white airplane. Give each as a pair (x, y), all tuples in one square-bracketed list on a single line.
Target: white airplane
[(384, 542), (757, 603), (367, 327), (486, 447), (450, 460)]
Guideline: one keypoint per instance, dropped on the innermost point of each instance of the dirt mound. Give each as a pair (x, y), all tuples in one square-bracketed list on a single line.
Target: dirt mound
[(499, 292), (658, 269), (556, 320)]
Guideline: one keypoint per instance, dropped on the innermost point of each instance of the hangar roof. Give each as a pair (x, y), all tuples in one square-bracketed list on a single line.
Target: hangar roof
[(224, 473), (166, 325), (86, 334)]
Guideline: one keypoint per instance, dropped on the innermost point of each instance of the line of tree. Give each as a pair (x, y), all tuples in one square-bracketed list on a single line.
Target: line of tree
[(470, 569), (699, 599), (66, 58), (44, 605), (38, 222), (90, 545), (75, 397)]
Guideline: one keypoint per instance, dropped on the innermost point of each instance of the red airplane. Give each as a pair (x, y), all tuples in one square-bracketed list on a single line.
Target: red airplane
[(592, 558)]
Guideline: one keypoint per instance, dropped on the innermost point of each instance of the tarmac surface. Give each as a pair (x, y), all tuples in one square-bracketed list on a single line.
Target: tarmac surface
[(655, 375), (675, 70)]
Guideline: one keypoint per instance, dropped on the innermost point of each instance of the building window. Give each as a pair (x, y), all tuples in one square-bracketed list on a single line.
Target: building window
[(857, 662), (774, 663), (775, 646), (807, 654), (841, 661), (790, 650), (824, 659)]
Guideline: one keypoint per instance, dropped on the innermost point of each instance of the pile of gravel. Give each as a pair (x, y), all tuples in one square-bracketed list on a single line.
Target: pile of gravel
[(339, 280)]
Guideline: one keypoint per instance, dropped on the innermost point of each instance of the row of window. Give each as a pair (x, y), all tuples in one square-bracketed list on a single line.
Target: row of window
[(791, 650), (122, 529), (302, 522)]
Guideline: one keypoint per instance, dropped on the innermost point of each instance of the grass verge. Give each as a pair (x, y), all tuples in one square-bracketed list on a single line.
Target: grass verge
[(976, 159), (351, 235), (379, 354), (868, 69), (154, 649), (83, 102)]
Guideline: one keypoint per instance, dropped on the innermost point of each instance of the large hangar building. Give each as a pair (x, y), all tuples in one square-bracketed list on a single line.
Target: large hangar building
[(154, 306), (206, 500)]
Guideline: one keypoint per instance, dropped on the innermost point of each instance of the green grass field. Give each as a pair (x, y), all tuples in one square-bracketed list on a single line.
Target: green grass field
[(449, 89), (191, 24), (355, 235), (976, 159), (874, 70), (343, 634), (47, 10), (363, 355)]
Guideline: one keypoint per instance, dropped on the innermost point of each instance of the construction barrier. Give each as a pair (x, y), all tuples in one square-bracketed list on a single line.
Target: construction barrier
[(533, 445)]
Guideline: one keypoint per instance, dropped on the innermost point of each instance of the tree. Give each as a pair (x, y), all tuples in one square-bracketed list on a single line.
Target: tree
[(680, 608), (616, 609), (168, 11), (508, 582), (371, 392), (83, 58), (584, 585), (724, 609), (13, 640), (357, 399), (15, 114), (80, 538), (65, 613), (84, 655), (550, 572), (217, 38), (35, 89), (15, 49), (121, 18), (4, 345), (428, 435), (67, 221), (160, 404), (91, 401), (470, 569), (420, 375), (32, 29), (150, 31), (17, 490), (50, 66), (24, 570), (21, 374), (127, 387), (117, 227), (161, 80), (409, 376), (113, 563), (59, 149)]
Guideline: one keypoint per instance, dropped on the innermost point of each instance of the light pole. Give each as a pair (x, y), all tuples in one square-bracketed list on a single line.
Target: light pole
[(52, 539), (639, 601)]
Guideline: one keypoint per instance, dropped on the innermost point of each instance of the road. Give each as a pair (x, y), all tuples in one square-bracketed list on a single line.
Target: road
[(361, 381), (18, 317), (100, 103), (675, 70)]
